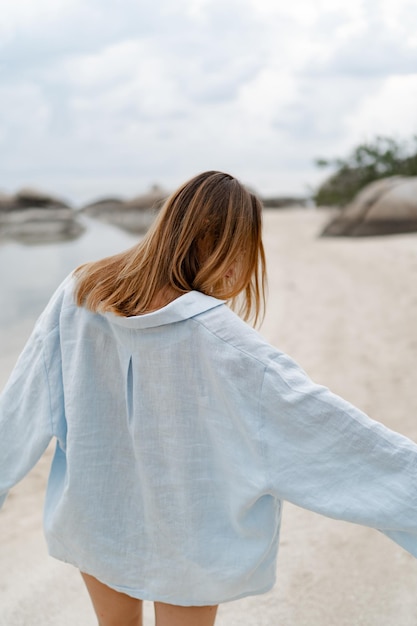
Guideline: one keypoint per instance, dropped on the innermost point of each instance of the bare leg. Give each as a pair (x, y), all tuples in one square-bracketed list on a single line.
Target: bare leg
[(112, 607), (171, 615)]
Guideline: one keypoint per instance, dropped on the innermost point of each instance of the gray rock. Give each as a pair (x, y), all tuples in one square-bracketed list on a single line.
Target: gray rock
[(6, 201), (105, 205), (282, 202), (384, 207), (40, 225), (28, 198), (134, 215), (152, 200)]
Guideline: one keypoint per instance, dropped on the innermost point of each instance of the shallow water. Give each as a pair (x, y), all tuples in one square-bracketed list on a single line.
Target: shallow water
[(29, 274)]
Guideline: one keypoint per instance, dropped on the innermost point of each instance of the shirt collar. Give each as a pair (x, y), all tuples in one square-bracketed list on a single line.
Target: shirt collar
[(182, 308)]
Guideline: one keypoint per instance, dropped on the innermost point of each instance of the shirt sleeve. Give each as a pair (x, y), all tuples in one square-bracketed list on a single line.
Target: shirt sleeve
[(26, 405), (327, 456)]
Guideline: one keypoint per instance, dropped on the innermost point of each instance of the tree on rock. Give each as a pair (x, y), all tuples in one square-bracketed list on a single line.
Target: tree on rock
[(368, 162)]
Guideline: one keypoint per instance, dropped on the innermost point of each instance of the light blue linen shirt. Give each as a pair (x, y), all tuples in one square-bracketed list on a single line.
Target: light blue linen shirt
[(179, 434)]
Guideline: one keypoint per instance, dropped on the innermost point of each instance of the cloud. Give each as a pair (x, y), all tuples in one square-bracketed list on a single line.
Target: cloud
[(23, 114), (371, 54), (375, 44), (101, 96), (391, 110), (41, 34)]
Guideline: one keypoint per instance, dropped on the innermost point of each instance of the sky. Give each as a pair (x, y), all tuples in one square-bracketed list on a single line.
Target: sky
[(105, 98)]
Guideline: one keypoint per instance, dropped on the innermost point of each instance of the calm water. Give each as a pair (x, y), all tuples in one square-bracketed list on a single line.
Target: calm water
[(30, 274)]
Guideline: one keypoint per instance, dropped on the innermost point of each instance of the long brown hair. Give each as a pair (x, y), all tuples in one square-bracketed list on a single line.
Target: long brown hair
[(207, 237)]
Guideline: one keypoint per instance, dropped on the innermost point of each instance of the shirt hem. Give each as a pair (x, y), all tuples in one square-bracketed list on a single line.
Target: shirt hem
[(143, 594)]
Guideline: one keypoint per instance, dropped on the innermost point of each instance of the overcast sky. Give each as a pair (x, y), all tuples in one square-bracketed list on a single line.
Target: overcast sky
[(102, 97)]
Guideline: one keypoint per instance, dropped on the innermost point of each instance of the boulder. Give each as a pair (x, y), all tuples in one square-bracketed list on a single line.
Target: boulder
[(32, 216), (386, 206), (6, 201), (28, 198), (40, 225), (134, 215), (284, 202), (103, 205), (151, 200)]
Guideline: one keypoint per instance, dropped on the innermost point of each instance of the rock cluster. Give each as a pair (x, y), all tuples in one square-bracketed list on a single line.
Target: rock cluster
[(31, 216), (135, 215), (284, 202), (386, 206)]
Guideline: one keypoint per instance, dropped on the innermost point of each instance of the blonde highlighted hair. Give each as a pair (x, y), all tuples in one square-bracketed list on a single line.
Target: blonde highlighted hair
[(207, 237)]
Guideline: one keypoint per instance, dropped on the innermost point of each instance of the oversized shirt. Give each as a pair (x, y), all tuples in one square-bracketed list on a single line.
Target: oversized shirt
[(179, 434)]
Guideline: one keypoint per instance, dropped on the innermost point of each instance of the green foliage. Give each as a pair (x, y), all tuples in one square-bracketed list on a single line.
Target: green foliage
[(381, 158)]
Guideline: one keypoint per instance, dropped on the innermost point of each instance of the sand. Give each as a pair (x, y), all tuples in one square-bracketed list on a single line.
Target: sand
[(346, 310)]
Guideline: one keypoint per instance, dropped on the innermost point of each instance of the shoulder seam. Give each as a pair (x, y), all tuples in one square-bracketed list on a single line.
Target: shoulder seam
[(248, 354)]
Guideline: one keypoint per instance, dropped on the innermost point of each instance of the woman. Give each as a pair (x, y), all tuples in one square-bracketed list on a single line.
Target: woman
[(180, 431)]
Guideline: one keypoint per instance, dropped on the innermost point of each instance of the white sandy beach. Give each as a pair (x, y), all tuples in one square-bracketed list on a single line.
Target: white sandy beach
[(346, 310)]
